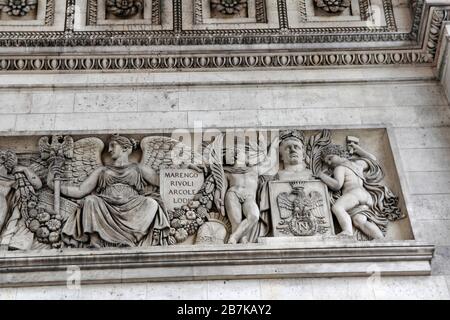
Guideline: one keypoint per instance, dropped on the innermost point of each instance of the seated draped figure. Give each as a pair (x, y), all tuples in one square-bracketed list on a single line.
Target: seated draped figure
[(119, 213)]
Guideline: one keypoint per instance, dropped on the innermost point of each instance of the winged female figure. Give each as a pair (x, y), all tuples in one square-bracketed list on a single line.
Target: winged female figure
[(117, 209)]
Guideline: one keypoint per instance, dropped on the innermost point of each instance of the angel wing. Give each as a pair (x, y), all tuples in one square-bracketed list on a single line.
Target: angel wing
[(285, 205), (315, 144), (163, 152), (85, 159)]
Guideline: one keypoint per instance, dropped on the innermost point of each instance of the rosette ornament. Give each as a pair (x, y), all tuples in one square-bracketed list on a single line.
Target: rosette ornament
[(332, 6), (124, 8), (18, 8), (229, 7)]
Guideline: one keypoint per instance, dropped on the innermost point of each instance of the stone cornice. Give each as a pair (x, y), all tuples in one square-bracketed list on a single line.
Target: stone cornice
[(248, 36), (406, 51), (274, 260)]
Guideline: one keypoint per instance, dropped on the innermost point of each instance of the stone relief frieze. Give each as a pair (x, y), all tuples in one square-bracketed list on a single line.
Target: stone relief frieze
[(160, 191)]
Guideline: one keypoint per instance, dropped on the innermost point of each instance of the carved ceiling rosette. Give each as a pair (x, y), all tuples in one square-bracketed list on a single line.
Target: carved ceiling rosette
[(18, 8), (332, 6), (229, 7), (124, 8)]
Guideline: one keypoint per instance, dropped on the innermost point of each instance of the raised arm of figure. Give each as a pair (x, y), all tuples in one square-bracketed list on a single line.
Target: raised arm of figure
[(270, 162), (363, 153)]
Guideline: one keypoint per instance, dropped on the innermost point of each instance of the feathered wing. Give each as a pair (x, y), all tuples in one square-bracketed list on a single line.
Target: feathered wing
[(285, 205), (315, 144), (86, 157), (160, 152), (317, 204)]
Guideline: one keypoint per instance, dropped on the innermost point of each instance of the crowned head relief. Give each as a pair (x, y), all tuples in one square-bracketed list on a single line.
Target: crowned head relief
[(293, 154)]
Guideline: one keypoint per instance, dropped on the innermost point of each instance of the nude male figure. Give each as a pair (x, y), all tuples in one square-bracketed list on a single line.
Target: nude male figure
[(240, 199), (240, 190), (348, 176)]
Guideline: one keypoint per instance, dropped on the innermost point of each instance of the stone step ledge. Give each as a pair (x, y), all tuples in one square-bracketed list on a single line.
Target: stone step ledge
[(216, 262)]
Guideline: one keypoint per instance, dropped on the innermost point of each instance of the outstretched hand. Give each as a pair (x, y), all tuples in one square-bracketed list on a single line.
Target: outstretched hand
[(353, 146), (320, 175), (195, 168)]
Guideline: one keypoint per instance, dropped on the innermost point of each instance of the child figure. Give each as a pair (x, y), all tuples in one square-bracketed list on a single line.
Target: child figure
[(348, 177)]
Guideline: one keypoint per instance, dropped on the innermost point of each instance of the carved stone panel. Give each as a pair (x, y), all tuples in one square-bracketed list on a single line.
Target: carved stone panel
[(229, 11), (33, 15), (332, 6), (179, 186), (374, 14), (348, 10), (117, 15), (118, 9), (25, 9), (237, 188), (228, 15), (300, 209)]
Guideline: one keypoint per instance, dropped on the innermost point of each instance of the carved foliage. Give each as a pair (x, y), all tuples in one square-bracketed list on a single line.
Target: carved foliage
[(332, 6), (124, 8), (18, 8), (229, 7)]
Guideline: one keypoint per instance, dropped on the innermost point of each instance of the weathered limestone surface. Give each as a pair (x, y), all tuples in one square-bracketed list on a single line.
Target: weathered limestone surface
[(416, 110), (310, 289), (402, 84)]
